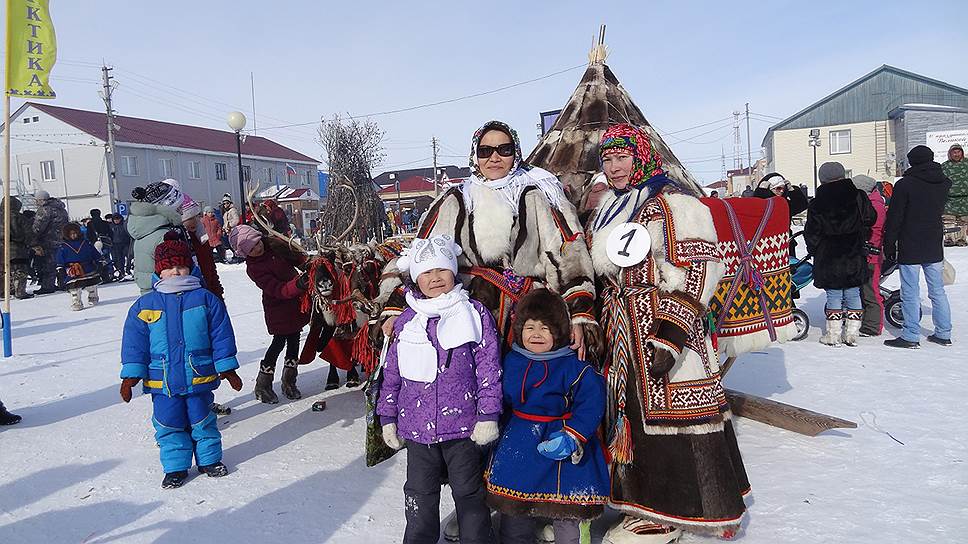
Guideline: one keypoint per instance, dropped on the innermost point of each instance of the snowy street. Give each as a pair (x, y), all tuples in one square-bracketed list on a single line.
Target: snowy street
[(83, 466)]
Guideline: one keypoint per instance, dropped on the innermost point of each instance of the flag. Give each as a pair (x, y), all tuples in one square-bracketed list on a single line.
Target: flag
[(31, 49), (290, 171)]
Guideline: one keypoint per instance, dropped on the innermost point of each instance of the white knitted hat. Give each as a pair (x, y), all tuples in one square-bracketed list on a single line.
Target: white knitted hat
[(429, 253)]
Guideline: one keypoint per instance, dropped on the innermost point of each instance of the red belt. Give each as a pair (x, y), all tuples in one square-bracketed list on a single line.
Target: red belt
[(541, 419)]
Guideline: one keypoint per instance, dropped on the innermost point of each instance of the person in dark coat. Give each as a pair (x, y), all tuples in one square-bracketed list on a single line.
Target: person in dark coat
[(839, 223), (99, 230), (48, 235), (776, 185), (120, 242), (914, 239), (21, 239), (282, 285)]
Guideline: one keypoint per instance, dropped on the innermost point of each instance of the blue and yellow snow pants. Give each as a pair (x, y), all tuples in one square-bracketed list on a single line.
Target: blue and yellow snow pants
[(185, 425)]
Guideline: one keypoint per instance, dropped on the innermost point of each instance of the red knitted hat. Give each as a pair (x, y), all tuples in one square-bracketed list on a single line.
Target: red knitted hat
[(172, 252)]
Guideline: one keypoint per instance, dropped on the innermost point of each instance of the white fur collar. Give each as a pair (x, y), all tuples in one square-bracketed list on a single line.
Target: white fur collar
[(493, 220)]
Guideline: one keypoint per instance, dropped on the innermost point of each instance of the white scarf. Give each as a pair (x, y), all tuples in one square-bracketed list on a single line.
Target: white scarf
[(459, 324), (512, 185)]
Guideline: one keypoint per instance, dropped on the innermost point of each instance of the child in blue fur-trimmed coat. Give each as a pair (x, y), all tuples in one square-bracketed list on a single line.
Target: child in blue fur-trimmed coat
[(549, 462), (77, 260), (178, 339)]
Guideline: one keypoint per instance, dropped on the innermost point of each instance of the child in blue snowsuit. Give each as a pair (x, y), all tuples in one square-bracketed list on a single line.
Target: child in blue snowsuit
[(77, 261), (178, 339), (549, 462)]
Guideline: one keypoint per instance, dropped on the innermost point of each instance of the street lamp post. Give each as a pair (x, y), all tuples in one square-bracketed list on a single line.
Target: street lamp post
[(815, 143), (236, 121)]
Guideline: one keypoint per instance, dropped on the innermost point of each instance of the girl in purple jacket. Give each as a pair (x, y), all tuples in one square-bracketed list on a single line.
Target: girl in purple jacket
[(441, 393)]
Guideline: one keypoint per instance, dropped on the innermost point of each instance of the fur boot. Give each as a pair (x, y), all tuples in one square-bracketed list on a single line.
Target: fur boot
[(852, 326), (633, 530), (92, 297), (263, 384), (835, 327), (290, 370), (76, 303)]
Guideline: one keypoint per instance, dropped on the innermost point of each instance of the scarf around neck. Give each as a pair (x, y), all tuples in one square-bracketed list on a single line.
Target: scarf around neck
[(178, 284), (546, 356), (459, 323), (511, 186), (637, 195)]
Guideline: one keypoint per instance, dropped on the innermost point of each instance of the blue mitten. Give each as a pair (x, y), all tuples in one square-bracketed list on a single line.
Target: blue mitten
[(559, 446)]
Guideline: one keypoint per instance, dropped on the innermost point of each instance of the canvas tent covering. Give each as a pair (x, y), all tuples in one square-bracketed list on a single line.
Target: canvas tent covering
[(570, 149)]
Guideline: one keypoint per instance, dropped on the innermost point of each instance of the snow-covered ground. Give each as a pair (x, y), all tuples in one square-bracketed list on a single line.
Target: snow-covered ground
[(83, 466)]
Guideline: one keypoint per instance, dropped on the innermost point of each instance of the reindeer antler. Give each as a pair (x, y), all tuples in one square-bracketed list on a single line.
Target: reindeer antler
[(356, 209), (291, 240)]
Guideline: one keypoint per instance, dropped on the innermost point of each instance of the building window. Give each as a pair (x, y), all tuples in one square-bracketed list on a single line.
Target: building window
[(309, 178), (47, 167), (221, 171), (167, 167), (35, 119), (26, 120), (267, 172), (129, 165), (194, 170), (848, 173), (839, 142), (246, 173)]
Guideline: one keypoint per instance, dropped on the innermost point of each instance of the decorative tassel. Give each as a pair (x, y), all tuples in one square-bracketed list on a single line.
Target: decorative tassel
[(621, 446)]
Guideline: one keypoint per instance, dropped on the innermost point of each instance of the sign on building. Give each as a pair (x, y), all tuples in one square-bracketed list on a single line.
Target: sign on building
[(940, 141)]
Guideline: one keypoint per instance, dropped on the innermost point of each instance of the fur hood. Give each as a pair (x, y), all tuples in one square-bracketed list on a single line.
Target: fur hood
[(547, 307)]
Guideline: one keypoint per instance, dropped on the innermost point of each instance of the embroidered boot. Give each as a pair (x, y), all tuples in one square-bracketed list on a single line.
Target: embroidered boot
[(92, 297), (263, 384), (639, 531), (852, 326), (835, 327), (76, 303), (290, 369)]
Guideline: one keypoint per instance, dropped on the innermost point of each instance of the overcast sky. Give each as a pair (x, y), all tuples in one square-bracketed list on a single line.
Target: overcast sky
[(685, 63)]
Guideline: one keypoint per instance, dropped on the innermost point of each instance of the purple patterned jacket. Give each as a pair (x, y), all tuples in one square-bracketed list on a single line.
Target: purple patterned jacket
[(467, 388)]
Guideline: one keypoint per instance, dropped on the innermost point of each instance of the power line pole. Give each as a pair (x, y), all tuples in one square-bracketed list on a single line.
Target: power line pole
[(737, 143), (749, 145), (436, 146), (106, 95)]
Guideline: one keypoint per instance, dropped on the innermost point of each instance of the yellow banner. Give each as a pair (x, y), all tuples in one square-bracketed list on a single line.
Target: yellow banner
[(31, 49)]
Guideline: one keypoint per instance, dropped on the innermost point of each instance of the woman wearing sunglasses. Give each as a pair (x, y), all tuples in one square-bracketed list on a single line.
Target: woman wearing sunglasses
[(518, 231)]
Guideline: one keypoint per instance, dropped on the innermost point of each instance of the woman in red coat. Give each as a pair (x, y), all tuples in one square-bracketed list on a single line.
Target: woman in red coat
[(282, 287)]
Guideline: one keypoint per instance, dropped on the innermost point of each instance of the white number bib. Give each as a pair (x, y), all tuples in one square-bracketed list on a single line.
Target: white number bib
[(628, 244)]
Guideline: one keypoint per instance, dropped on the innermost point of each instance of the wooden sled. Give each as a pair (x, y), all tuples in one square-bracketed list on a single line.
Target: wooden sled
[(778, 414)]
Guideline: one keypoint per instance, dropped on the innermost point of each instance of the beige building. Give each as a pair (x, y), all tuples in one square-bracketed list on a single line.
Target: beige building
[(863, 126)]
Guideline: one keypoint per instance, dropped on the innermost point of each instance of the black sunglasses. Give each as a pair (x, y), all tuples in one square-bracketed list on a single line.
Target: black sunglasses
[(504, 150)]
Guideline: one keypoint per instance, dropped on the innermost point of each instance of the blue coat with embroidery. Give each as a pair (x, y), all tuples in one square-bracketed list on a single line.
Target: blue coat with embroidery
[(81, 252), (178, 343), (563, 393)]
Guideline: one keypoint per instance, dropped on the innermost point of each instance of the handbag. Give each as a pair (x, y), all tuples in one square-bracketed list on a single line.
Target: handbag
[(948, 275)]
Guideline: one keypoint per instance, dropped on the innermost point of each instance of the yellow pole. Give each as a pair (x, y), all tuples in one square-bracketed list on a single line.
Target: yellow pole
[(7, 337)]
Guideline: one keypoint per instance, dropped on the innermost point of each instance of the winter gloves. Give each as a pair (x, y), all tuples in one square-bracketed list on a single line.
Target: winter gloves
[(128, 383), (558, 446), (233, 378), (390, 436), (484, 432)]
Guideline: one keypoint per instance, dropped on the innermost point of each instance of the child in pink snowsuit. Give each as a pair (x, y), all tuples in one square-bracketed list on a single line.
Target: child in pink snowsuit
[(873, 321)]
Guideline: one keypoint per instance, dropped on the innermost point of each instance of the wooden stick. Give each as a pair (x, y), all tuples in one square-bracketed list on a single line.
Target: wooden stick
[(784, 416)]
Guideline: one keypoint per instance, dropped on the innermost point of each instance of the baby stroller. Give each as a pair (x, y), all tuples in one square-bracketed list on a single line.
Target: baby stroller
[(801, 271), (892, 299)]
